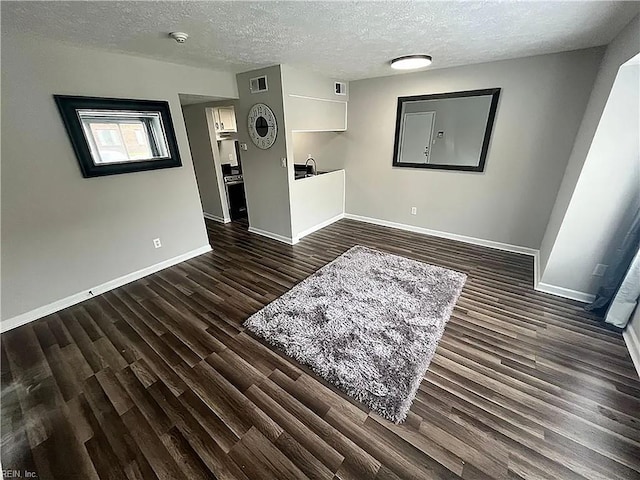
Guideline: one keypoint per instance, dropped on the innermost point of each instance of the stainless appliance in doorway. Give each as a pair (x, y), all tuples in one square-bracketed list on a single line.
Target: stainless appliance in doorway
[(235, 196), (234, 186)]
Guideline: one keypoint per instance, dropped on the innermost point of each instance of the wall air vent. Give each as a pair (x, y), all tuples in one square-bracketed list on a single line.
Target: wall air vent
[(258, 84), (340, 88)]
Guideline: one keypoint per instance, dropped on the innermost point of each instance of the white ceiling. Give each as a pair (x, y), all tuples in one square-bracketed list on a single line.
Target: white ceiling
[(348, 40)]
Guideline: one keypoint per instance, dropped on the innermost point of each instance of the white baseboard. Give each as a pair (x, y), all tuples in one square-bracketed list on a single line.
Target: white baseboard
[(296, 239), (633, 345), (216, 218), (71, 300), (273, 236), (565, 292), (317, 227), (539, 286), (451, 236)]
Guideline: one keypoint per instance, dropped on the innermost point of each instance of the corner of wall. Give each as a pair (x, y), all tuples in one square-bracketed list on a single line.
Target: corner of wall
[(266, 182), (621, 49)]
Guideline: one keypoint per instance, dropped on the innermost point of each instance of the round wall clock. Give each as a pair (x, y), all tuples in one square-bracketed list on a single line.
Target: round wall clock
[(263, 128)]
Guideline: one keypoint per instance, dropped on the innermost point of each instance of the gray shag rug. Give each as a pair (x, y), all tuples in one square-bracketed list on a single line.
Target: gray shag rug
[(368, 322)]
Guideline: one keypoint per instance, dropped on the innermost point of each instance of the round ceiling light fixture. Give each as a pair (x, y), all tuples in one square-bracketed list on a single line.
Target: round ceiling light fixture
[(411, 62)]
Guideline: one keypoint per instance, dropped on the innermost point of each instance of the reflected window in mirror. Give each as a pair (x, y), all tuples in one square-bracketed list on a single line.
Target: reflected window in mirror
[(448, 131)]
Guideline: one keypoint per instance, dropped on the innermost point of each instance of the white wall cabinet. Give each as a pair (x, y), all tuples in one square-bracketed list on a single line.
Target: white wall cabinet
[(225, 119), (305, 114)]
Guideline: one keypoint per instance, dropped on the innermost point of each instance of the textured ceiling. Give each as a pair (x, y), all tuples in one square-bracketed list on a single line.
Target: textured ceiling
[(348, 40)]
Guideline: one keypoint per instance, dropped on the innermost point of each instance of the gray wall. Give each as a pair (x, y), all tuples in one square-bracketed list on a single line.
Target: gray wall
[(265, 180), (202, 152), (541, 105), (607, 194), (208, 156), (61, 233), (621, 49), (267, 183)]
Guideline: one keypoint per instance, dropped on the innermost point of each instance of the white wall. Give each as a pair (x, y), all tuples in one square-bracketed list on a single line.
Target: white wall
[(314, 115), (227, 150), (61, 233), (541, 104), (606, 195), (318, 200), (621, 49)]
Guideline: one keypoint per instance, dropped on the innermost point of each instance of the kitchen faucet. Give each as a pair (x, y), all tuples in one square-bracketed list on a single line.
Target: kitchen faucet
[(315, 165)]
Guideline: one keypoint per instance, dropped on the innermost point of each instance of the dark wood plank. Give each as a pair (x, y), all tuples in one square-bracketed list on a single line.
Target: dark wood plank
[(158, 379)]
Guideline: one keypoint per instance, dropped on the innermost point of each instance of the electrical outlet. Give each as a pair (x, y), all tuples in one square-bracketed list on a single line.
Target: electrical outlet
[(157, 243), (231, 157), (599, 270), (283, 162), (243, 147), (414, 211)]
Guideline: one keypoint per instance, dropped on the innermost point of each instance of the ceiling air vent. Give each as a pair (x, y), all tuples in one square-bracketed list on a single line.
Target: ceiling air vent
[(340, 88), (258, 84)]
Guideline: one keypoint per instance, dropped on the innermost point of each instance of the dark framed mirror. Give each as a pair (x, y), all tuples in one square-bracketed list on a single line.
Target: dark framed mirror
[(447, 131), (112, 136)]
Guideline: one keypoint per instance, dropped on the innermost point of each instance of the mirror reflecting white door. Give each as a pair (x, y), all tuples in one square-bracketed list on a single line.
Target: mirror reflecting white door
[(448, 131), (417, 134)]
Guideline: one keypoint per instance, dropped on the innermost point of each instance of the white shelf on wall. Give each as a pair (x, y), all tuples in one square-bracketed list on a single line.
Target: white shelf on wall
[(310, 114)]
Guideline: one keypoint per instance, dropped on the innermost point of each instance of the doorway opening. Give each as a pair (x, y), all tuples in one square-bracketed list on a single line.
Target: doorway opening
[(212, 132)]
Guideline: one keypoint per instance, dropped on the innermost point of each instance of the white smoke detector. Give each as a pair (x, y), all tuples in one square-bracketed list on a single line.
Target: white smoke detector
[(179, 37)]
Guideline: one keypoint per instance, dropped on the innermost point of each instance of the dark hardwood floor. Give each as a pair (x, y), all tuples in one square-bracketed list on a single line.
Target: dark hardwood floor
[(157, 379)]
